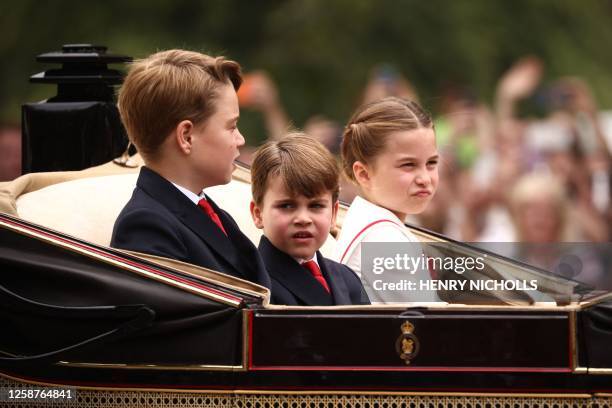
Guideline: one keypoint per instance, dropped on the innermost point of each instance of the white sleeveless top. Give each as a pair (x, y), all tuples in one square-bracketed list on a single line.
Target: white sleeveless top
[(367, 222)]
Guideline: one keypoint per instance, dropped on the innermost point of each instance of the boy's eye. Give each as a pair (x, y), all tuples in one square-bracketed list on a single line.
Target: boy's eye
[(317, 205), (408, 165), (432, 163), (285, 205)]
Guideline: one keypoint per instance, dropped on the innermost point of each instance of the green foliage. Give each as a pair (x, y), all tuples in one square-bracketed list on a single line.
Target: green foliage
[(321, 52)]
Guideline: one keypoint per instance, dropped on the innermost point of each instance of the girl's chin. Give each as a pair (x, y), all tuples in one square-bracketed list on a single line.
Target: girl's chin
[(418, 207)]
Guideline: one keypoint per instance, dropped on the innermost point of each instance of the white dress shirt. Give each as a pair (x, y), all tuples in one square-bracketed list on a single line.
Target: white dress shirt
[(190, 194), (314, 258)]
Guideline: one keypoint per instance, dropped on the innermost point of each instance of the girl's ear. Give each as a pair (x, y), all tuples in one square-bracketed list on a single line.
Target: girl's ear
[(256, 214), (183, 135), (362, 174)]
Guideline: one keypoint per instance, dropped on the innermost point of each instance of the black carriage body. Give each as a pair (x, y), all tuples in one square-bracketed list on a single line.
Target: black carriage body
[(82, 315)]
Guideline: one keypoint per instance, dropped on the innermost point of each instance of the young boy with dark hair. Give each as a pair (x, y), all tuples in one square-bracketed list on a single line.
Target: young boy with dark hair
[(295, 201)]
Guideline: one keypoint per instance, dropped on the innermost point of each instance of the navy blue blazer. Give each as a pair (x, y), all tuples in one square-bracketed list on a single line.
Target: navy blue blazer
[(292, 284), (160, 220)]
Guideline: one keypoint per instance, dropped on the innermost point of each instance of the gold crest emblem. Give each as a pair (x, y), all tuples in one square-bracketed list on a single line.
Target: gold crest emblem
[(407, 344)]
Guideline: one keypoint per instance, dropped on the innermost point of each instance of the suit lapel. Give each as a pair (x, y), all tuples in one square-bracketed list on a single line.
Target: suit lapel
[(335, 281), (190, 215), (244, 248), (287, 272)]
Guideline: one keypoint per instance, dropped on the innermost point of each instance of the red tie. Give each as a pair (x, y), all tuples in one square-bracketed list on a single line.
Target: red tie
[(316, 272), (205, 205)]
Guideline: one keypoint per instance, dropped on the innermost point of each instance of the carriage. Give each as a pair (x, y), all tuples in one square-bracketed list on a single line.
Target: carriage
[(117, 328)]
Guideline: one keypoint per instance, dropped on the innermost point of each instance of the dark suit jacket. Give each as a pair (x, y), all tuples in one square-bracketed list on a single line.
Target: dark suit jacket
[(160, 220), (292, 284)]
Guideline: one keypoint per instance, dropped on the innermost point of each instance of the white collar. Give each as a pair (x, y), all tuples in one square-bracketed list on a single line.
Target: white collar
[(190, 194), (314, 258), (374, 211), (360, 214)]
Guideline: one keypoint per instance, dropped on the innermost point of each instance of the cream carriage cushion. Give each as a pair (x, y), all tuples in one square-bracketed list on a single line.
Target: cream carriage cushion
[(86, 207)]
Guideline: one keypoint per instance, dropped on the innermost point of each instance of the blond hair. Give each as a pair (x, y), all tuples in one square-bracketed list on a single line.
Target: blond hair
[(304, 165), (534, 186), (170, 86), (366, 133)]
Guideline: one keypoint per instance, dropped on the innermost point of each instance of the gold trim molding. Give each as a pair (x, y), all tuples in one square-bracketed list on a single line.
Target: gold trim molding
[(10, 381), (600, 371), (194, 367), (123, 265)]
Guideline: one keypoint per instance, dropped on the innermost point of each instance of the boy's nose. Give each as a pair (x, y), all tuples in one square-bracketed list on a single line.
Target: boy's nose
[(240, 139), (302, 218)]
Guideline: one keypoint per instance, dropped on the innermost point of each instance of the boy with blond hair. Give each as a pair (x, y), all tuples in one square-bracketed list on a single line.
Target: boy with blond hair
[(181, 111), (295, 202)]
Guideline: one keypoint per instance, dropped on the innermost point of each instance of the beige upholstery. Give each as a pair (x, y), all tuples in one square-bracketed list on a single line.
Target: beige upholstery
[(11, 190), (86, 207)]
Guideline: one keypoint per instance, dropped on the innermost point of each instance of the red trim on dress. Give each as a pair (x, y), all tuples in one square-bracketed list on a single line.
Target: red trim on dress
[(361, 232)]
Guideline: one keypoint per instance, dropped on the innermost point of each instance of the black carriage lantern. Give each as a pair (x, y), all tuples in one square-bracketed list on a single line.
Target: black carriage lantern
[(80, 126)]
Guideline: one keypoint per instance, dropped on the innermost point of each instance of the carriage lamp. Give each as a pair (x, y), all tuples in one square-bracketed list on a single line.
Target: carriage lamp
[(80, 126)]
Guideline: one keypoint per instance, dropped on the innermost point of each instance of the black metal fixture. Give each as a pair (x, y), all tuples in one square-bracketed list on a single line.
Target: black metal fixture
[(80, 126)]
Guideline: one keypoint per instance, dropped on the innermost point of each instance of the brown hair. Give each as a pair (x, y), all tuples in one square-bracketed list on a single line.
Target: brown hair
[(305, 166), (366, 132), (168, 87)]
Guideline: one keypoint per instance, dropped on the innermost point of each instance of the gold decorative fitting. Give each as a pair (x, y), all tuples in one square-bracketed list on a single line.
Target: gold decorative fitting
[(407, 344), (407, 327), (168, 398)]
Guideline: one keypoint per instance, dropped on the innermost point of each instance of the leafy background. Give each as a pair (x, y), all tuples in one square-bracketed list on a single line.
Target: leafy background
[(320, 52)]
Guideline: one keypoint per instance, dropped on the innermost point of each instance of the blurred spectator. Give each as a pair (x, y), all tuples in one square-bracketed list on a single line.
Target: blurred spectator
[(517, 83), (464, 127), (385, 80), (464, 132), (10, 152), (540, 210), (258, 91), (326, 131), (329, 132), (544, 215)]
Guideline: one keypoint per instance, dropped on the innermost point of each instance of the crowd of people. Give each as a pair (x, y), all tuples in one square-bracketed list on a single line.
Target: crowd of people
[(533, 167)]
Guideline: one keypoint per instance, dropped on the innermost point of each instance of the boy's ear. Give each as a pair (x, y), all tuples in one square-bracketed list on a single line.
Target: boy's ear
[(335, 207), (183, 133), (361, 172), (256, 214)]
